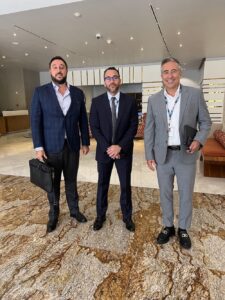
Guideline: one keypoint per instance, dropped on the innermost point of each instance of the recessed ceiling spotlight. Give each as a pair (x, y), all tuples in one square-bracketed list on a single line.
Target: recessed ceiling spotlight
[(77, 14), (86, 43), (181, 45), (98, 36), (14, 34), (3, 56), (2, 66), (103, 52), (142, 49), (131, 38), (15, 43), (178, 32), (109, 41), (17, 92), (26, 54), (83, 62), (67, 55), (46, 47)]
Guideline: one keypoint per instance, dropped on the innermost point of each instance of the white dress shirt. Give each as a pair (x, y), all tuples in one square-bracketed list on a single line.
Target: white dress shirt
[(173, 122), (117, 96)]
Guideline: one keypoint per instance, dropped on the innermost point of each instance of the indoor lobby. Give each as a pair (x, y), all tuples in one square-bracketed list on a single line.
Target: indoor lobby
[(74, 262)]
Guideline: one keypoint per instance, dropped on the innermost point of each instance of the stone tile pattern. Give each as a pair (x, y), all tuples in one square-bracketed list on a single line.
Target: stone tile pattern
[(74, 262)]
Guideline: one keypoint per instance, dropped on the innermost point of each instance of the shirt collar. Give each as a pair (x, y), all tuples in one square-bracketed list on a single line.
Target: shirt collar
[(56, 87), (176, 94), (117, 96)]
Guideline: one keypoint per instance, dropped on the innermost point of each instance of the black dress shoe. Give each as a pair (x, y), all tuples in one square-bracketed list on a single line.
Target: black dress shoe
[(79, 217), (165, 235), (130, 225), (98, 223), (51, 226), (184, 238)]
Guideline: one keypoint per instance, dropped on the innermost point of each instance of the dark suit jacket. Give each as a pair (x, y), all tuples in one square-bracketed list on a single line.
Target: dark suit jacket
[(49, 125), (101, 125)]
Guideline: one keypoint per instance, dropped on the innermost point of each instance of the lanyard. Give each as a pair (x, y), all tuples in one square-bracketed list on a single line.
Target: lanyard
[(170, 112)]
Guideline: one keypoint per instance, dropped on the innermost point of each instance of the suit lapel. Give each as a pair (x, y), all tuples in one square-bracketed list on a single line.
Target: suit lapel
[(106, 108), (183, 102), (54, 99), (162, 107)]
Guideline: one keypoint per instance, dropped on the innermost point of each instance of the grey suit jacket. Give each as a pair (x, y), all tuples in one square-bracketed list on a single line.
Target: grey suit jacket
[(193, 112)]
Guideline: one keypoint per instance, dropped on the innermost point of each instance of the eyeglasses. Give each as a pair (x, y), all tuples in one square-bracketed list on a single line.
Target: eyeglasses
[(108, 78)]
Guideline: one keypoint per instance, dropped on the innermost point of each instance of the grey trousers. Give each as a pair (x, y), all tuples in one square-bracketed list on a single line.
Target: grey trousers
[(185, 174)]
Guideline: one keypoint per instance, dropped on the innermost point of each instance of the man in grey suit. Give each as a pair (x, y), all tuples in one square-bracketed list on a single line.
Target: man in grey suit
[(168, 112)]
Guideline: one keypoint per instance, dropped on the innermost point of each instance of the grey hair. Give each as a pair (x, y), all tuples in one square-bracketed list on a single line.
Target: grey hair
[(168, 59)]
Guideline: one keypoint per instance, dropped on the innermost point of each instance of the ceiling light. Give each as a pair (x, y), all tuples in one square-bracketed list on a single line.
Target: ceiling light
[(77, 14), (181, 45), (14, 34), (3, 56), (86, 43), (46, 47), (17, 93), (178, 33), (26, 54), (2, 66), (15, 43), (103, 52), (142, 49), (131, 38), (67, 55), (109, 41), (157, 8), (83, 62)]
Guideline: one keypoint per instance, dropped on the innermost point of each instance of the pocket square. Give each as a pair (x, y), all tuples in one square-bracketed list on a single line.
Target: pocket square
[(189, 134), (41, 174)]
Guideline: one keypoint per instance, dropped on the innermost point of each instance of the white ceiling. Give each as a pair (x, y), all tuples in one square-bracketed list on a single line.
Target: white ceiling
[(201, 22)]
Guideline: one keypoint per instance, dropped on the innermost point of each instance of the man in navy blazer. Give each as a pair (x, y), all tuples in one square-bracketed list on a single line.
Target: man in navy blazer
[(59, 129), (114, 121)]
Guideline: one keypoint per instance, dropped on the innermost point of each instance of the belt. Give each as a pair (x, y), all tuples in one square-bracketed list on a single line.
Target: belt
[(174, 147)]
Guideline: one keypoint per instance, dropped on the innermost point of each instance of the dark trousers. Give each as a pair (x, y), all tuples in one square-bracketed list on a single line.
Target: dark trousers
[(123, 167), (67, 162)]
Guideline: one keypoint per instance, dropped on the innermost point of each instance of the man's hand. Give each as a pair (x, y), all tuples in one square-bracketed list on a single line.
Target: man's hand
[(151, 164), (40, 155), (113, 151), (85, 149), (195, 146)]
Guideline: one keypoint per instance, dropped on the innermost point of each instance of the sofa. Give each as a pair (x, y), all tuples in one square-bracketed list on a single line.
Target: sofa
[(213, 155)]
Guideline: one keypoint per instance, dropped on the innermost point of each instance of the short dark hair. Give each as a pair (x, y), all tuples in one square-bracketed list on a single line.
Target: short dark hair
[(55, 58), (168, 59), (111, 68)]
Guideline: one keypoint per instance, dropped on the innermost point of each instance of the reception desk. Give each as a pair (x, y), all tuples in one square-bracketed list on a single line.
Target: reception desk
[(14, 121)]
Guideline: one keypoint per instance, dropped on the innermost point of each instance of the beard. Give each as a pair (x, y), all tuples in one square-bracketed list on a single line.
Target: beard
[(59, 81)]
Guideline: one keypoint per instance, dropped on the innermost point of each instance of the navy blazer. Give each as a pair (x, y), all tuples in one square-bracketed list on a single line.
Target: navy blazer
[(101, 125), (49, 125)]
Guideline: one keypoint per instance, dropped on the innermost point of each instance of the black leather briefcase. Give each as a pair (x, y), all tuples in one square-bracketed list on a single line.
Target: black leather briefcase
[(41, 174)]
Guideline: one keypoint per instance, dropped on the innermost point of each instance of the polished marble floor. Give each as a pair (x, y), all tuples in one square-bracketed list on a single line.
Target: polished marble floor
[(16, 149)]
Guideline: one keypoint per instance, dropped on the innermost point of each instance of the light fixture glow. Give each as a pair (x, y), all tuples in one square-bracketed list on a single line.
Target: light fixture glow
[(142, 49), (3, 56), (15, 43), (109, 41), (26, 54), (131, 38), (181, 45), (86, 43), (77, 14), (2, 66), (46, 47), (14, 34), (67, 55), (83, 62), (103, 52), (178, 33)]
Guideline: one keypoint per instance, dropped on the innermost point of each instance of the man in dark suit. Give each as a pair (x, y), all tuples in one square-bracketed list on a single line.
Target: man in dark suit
[(58, 123), (114, 121)]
